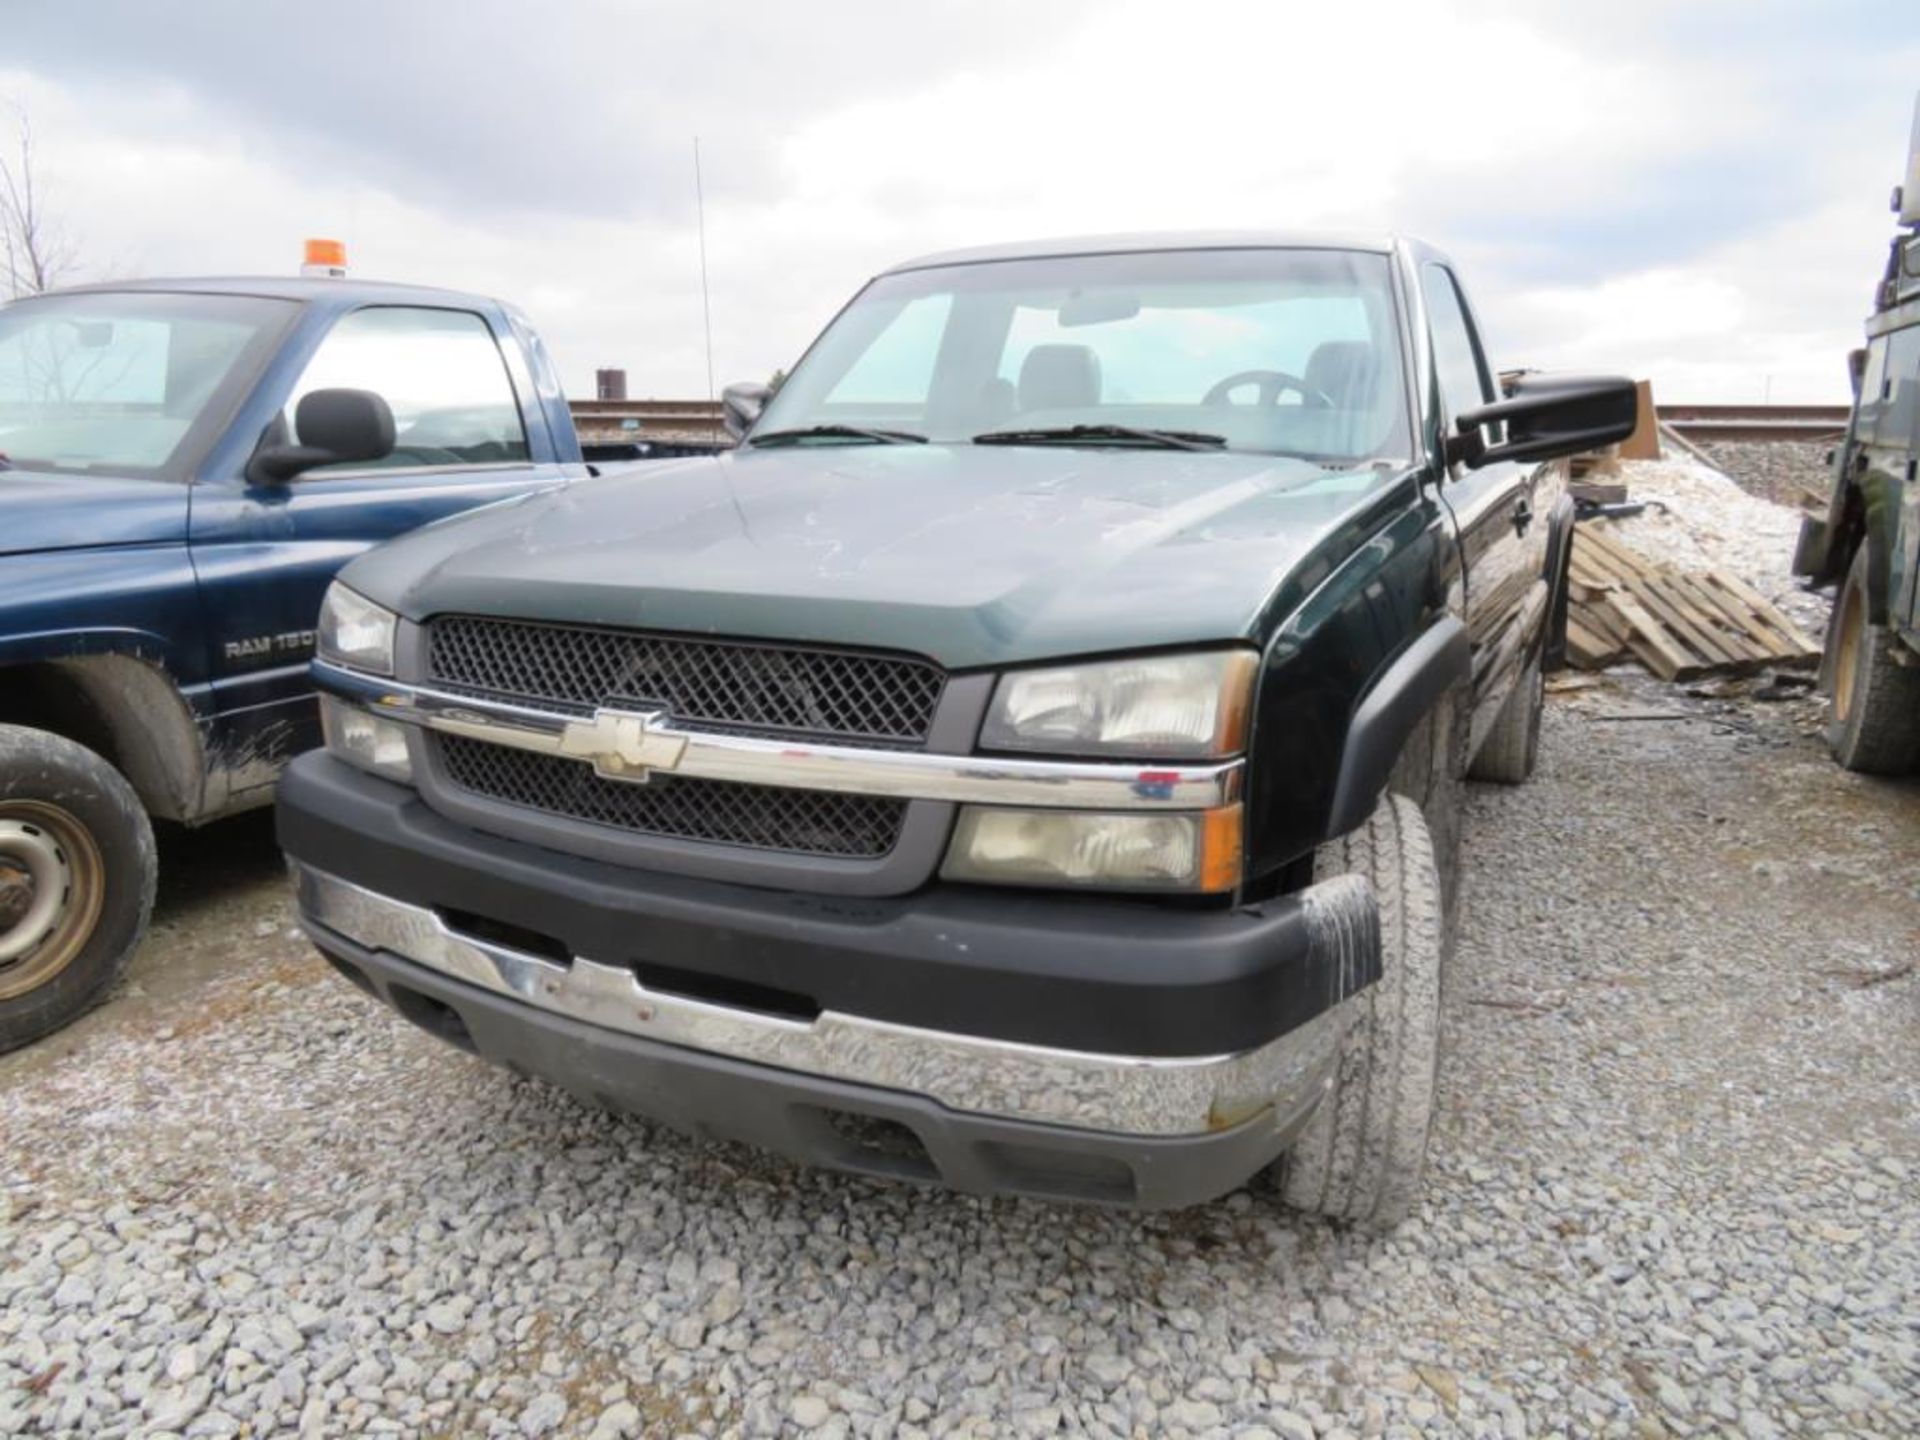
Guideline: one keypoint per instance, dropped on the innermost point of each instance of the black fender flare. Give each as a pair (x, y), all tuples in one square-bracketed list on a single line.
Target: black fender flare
[(1402, 695), (1865, 512), (1879, 525)]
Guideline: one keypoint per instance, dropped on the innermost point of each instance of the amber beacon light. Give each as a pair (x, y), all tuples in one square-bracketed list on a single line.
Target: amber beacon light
[(327, 258)]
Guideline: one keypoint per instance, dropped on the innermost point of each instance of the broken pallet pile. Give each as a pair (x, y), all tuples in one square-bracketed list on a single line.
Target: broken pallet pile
[(1680, 624)]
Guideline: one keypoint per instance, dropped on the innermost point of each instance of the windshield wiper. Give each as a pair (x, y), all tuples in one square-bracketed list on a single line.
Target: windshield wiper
[(838, 432), (1166, 439)]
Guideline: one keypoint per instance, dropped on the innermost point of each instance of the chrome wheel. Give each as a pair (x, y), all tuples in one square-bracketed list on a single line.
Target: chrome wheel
[(52, 886)]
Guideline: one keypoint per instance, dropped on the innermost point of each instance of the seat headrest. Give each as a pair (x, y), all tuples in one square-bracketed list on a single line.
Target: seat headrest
[(1059, 377), (1342, 370)]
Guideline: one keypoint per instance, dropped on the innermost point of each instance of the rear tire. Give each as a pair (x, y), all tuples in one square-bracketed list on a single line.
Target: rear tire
[(77, 871), (1513, 746), (1875, 725), (1363, 1153)]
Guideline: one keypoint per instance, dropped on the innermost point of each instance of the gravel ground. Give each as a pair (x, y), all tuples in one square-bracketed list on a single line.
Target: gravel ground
[(1673, 1188), (1794, 473)]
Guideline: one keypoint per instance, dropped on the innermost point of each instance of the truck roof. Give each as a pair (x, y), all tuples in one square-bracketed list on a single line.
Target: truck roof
[(304, 289), (1378, 244)]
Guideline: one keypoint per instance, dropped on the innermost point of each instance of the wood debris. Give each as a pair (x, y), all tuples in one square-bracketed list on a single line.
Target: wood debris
[(1680, 624)]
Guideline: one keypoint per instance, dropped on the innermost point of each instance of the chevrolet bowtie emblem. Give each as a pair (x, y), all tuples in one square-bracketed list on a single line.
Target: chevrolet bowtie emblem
[(623, 744)]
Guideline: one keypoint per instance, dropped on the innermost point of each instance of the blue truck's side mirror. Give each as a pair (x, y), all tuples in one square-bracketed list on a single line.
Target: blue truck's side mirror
[(334, 427)]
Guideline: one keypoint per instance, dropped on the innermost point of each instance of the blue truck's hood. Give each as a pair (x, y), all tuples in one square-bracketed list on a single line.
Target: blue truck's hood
[(974, 556), (67, 512)]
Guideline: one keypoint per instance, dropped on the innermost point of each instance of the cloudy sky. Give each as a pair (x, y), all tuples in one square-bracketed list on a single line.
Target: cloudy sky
[(1693, 192)]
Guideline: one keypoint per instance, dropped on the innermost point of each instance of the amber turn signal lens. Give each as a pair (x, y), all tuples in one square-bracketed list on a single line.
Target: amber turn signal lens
[(1220, 856)]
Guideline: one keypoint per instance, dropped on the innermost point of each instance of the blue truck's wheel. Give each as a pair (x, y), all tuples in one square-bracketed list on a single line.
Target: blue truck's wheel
[(1875, 724), (1362, 1155), (77, 872)]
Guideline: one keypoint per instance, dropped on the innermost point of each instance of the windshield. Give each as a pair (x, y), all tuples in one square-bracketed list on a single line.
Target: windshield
[(116, 383), (1284, 351)]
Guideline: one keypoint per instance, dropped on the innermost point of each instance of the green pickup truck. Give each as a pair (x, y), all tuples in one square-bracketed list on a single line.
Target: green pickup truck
[(1868, 541), (1028, 762)]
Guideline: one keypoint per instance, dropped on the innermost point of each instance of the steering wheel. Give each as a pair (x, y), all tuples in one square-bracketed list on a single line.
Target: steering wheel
[(1273, 384)]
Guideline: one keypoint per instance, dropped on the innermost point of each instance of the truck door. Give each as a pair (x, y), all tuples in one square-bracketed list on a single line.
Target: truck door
[(1499, 512), (467, 431)]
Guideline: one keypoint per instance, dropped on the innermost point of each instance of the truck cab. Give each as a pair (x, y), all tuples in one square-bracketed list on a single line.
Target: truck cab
[(1867, 544), (183, 467)]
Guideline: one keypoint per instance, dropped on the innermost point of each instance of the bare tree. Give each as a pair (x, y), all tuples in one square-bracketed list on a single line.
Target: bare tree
[(36, 255)]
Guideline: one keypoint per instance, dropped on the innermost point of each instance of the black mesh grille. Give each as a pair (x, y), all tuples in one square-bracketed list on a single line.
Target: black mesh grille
[(711, 684), (765, 817)]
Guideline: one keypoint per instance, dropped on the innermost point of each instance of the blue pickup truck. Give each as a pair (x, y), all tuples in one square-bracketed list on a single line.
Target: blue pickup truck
[(183, 467)]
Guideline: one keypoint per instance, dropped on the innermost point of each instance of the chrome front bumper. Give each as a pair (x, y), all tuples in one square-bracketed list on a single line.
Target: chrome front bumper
[(1113, 1094)]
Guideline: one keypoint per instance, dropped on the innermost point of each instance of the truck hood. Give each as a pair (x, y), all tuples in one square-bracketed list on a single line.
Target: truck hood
[(40, 511), (972, 555)]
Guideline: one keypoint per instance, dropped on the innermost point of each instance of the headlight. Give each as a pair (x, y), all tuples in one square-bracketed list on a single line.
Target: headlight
[(355, 631), (1158, 706), (362, 738), (1191, 851)]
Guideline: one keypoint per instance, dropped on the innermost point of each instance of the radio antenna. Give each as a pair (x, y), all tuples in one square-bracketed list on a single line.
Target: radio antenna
[(706, 305)]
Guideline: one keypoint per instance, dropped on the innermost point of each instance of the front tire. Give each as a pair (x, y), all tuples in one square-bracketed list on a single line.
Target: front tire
[(1363, 1153), (77, 871), (1875, 725)]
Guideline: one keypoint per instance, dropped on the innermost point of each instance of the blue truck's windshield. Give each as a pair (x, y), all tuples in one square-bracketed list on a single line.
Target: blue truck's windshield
[(1291, 351), (117, 382)]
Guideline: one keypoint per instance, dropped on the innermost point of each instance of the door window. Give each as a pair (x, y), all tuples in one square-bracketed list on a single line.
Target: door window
[(441, 373), (1464, 382), (1897, 424)]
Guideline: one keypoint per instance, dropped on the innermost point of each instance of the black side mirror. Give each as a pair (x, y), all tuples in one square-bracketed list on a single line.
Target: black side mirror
[(1548, 416), (334, 427), (741, 404)]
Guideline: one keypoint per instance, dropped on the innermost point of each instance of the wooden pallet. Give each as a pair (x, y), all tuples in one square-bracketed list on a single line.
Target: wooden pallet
[(1680, 624)]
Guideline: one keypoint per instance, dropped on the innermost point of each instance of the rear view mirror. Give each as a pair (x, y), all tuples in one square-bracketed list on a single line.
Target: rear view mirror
[(334, 427), (1547, 416), (741, 404), (1099, 308)]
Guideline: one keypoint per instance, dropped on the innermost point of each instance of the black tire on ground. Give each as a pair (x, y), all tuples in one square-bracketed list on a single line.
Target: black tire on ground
[(1875, 724), (77, 869), (1553, 651), (1363, 1153), (1508, 756)]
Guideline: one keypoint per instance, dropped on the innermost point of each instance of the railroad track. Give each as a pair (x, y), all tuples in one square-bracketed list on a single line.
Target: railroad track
[(1756, 422)]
